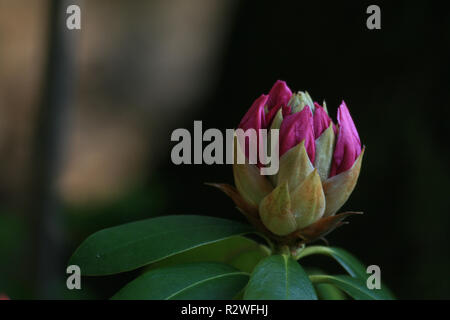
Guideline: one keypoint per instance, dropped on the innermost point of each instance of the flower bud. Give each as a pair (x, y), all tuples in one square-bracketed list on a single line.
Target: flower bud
[(275, 211), (252, 186), (319, 166), (299, 100), (324, 135), (296, 128), (295, 166), (348, 144), (308, 200), (338, 188)]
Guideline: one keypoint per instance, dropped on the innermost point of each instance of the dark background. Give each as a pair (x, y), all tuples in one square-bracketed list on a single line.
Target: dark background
[(395, 82)]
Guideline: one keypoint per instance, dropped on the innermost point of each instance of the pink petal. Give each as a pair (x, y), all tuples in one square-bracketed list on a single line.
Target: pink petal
[(279, 95), (255, 116), (294, 129), (254, 119), (286, 110), (348, 144), (321, 120)]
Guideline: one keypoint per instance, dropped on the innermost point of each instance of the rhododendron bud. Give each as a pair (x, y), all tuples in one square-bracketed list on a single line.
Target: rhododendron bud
[(319, 166), (279, 95), (348, 144), (296, 128)]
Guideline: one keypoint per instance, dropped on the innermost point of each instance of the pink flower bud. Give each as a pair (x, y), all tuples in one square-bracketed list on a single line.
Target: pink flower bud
[(321, 120), (255, 117), (318, 169), (294, 129), (348, 144), (279, 95)]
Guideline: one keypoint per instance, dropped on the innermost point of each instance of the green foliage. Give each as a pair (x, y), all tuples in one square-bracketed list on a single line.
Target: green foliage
[(279, 277), (354, 287), (199, 257), (133, 245), (239, 252), (186, 281), (351, 264)]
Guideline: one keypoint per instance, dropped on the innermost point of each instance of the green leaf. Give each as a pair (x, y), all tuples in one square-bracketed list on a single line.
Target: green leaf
[(354, 287), (137, 244), (205, 281), (239, 252), (279, 277), (348, 261), (351, 264), (326, 291)]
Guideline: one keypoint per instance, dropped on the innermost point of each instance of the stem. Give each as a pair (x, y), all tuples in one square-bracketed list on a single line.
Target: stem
[(312, 250), (269, 242), (284, 250), (298, 251)]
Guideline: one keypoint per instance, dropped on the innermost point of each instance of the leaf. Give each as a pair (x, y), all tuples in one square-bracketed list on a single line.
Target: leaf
[(326, 291), (137, 244), (354, 287), (196, 281), (239, 252), (279, 277), (349, 262)]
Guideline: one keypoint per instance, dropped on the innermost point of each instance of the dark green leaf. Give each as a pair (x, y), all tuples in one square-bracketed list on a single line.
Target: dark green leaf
[(354, 287), (137, 244), (348, 261), (279, 277), (206, 281), (325, 291), (239, 252), (351, 264)]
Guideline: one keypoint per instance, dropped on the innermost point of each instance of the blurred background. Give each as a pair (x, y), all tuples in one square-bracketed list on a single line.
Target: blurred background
[(86, 118)]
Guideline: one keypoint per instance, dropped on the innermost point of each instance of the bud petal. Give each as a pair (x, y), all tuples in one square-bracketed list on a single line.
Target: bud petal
[(296, 128), (309, 101), (324, 153), (324, 104), (255, 116), (279, 95), (252, 186), (295, 166), (277, 120), (275, 211), (296, 103), (321, 121), (308, 200), (276, 123), (299, 100), (348, 144), (338, 188)]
